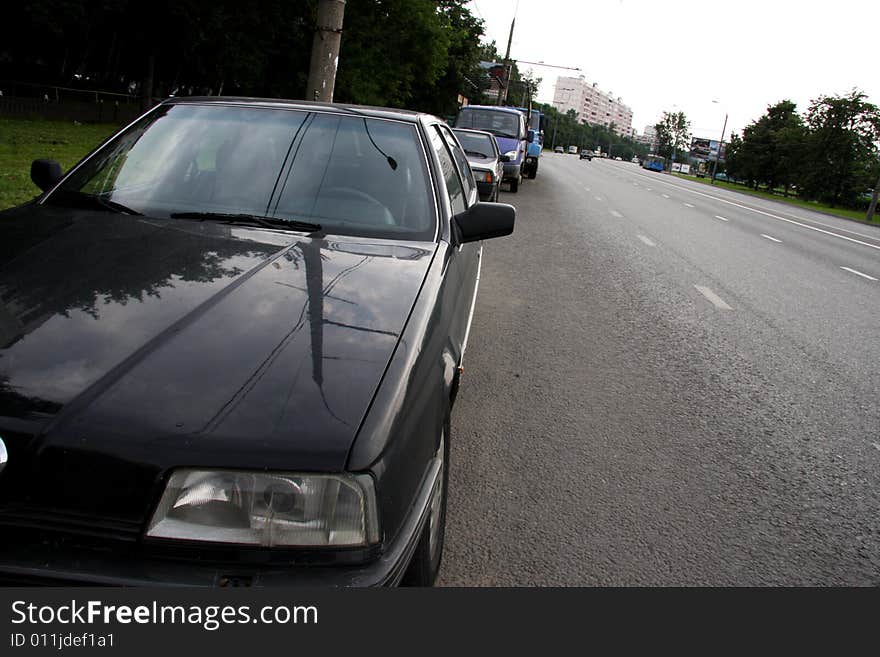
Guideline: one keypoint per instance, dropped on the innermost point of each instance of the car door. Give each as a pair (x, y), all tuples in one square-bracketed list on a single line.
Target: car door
[(463, 263)]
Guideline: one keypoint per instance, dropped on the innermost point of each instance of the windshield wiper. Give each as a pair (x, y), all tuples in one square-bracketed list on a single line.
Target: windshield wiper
[(81, 199), (249, 220)]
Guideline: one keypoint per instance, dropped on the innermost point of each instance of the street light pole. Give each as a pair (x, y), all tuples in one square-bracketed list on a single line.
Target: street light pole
[(720, 146), (508, 67)]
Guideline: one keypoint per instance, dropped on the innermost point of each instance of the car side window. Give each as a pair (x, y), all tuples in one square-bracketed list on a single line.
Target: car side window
[(464, 169), (449, 172)]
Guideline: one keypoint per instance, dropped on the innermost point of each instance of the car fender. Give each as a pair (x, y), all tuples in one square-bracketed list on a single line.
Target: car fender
[(401, 429)]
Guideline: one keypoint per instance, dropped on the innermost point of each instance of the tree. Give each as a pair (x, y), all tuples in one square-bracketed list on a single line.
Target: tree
[(391, 50), (461, 60), (523, 87), (733, 158), (404, 53), (772, 147), (842, 147), (673, 134)]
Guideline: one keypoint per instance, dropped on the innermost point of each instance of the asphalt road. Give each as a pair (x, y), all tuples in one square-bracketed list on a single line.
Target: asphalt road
[(668, 384)]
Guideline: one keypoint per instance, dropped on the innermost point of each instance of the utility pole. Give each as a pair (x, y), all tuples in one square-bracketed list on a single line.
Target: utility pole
[(508, 68), (325, 51), (720, 146)]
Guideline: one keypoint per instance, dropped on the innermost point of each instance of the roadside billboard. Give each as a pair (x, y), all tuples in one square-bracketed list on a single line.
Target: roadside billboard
[(706, 149)]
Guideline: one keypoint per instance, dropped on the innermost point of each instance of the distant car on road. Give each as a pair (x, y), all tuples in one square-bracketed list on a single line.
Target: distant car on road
[(572, 150), (485, 159), (618, 158), (264, 307), (586, 155), (559, 149)]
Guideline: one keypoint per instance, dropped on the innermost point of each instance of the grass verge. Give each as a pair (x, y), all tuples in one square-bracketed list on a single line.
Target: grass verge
[(23, 140), (858, 215)]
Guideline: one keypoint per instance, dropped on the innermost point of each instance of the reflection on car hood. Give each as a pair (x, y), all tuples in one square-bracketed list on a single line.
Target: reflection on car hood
[(147, 343)]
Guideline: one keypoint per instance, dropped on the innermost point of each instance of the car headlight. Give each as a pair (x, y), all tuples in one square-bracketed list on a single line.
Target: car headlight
[(482, 176), (512, 154), (267, 509)]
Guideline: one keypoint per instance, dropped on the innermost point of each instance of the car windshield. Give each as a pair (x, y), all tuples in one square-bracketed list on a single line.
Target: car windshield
[(344, 174), (499, 123), (475, 144)]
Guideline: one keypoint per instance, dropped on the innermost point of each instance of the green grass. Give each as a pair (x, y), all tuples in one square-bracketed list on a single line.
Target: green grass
[(790, 200), (22, 141)]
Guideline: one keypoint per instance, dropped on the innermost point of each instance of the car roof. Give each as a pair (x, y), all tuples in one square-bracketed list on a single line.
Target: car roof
[(306, 105), (497, 108)]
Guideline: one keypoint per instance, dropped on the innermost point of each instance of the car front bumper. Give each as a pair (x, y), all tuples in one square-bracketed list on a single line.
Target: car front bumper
[(44, 565)]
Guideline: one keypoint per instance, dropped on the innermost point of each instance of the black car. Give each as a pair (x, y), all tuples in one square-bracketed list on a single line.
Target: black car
[(230, 341), (487, 163)]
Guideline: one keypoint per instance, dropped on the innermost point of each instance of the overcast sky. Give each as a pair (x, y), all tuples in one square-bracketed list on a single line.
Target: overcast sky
[(683, 54)]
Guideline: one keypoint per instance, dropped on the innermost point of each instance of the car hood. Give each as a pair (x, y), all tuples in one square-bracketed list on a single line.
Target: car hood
[(507, 144), (130, 345)]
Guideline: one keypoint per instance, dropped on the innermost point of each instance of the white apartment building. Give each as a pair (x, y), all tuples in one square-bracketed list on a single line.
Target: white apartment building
[(649, 137), (592, 105)]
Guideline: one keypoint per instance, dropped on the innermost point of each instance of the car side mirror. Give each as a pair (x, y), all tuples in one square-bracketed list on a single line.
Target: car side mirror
[(46, 173), (483, 221), (531, 137)]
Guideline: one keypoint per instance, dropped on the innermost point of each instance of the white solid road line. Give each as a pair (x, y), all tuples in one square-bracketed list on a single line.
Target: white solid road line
[(772, 239), (772, 216), (718, 216), (688, 205), (646, 240), (615, 213), (717, 301), (858, 273)]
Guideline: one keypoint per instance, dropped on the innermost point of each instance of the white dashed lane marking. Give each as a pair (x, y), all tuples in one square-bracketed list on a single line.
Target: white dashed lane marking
[(716, 301), (858, 273)]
